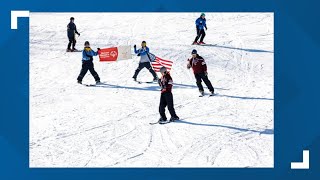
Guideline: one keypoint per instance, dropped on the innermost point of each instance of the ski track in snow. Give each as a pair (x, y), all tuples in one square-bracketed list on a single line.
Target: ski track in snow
[(108, 125)]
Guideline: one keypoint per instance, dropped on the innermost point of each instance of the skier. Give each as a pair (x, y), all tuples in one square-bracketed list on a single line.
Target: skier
[(144, 62), (200, 25), (199, 67), (72, 30), (166, 99), (87, 63)]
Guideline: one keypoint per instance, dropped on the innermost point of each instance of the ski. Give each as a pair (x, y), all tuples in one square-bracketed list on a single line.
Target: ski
[(74, 51), (149, 82), (158, 122), (209, 95)]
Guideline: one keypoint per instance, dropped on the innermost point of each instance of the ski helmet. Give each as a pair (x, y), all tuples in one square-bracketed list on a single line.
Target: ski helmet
[(163, 69), (143, 42), (203, 14), (194, 52), (86, 43), (72, 18)]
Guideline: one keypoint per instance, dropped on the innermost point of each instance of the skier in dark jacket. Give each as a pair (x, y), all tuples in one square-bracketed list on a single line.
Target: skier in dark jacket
[(144, 62), (72, 30), (166, 99), (87, 63), (198, 64), (200, 25)]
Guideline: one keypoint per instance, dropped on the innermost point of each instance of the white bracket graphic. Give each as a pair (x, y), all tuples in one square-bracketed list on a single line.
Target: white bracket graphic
[(14, 17), (305, 161)]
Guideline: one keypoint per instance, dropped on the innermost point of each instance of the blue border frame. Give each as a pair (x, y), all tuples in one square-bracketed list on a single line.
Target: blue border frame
[(297, 43)]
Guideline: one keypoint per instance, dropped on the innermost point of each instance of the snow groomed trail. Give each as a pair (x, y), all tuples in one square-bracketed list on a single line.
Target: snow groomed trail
[(108, 125)]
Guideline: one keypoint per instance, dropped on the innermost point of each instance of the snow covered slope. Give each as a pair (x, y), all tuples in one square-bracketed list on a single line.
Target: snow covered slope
[(108, 126)]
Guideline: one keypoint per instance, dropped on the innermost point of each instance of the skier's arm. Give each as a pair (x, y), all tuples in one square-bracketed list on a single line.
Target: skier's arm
[(75, 30), (204, 65), (189, 65), (205, 25), (94, 53), (137, 51)]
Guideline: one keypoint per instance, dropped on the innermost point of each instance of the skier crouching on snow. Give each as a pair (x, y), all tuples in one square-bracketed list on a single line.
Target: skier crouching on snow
[(166, 99), (200, 25), (199, 67), (87, 63), (144, 62)]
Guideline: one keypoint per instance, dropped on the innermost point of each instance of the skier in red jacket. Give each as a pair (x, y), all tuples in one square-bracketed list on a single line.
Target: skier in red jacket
[(166, 99), (198, 64)]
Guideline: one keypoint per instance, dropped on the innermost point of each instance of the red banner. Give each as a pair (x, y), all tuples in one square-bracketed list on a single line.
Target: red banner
[(109, 54)]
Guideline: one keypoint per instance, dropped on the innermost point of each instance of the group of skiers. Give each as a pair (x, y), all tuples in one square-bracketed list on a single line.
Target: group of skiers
[(196, 62)]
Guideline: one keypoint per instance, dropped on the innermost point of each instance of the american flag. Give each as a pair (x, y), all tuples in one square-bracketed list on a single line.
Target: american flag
[(158, 63)]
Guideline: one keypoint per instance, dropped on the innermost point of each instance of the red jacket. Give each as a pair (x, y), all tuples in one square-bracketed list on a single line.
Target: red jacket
[(198, 64), (166, 83)]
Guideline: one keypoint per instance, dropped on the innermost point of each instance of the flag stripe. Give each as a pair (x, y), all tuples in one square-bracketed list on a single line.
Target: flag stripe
[(159, 62)]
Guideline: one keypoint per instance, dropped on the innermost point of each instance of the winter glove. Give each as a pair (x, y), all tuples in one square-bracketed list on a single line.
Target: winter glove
[(135, 46), (163, 90), (78, 34), (206, 28), (188, 66), (98, 50)]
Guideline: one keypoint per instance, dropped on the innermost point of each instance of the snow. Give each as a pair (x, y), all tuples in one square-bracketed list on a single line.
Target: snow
[(108, 126)]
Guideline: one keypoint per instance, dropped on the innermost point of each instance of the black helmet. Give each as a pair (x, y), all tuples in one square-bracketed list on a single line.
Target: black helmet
[(86, 43), (143, 42), (194, 52), (72, 18)]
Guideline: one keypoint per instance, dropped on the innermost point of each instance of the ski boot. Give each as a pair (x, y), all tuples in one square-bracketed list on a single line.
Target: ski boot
[(162, 121), (68, 50), (212, 93), (98, 82), (134, 78), (195, 43), (201, 93), (200, 43), (172, 119), (155, 79), (79, 82)]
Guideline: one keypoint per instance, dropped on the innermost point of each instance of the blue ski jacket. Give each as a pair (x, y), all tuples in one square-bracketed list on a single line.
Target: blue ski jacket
[(143, 53), (88, 53), (201, 23)]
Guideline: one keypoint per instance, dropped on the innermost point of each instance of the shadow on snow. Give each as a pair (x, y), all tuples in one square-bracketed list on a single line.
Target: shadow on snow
[(241, 49), (266, 131)]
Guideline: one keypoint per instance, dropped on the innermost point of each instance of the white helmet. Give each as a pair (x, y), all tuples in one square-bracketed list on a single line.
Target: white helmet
[(163, 69)]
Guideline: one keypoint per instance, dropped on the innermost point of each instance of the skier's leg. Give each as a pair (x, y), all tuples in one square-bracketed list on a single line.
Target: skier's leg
[(93, 72), (169, 99), (69, 44), (141, 66), (148, 66), (198, 78), (207, 82), (203, 34), (162, 107), (83, 71), (198, 36), (74, 43)]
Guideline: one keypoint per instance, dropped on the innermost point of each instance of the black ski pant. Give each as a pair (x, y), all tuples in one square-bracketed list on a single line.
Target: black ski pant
[(204, 77), (88, 65), (145, 65), (72, 41), (166, 99), (200, 33)]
